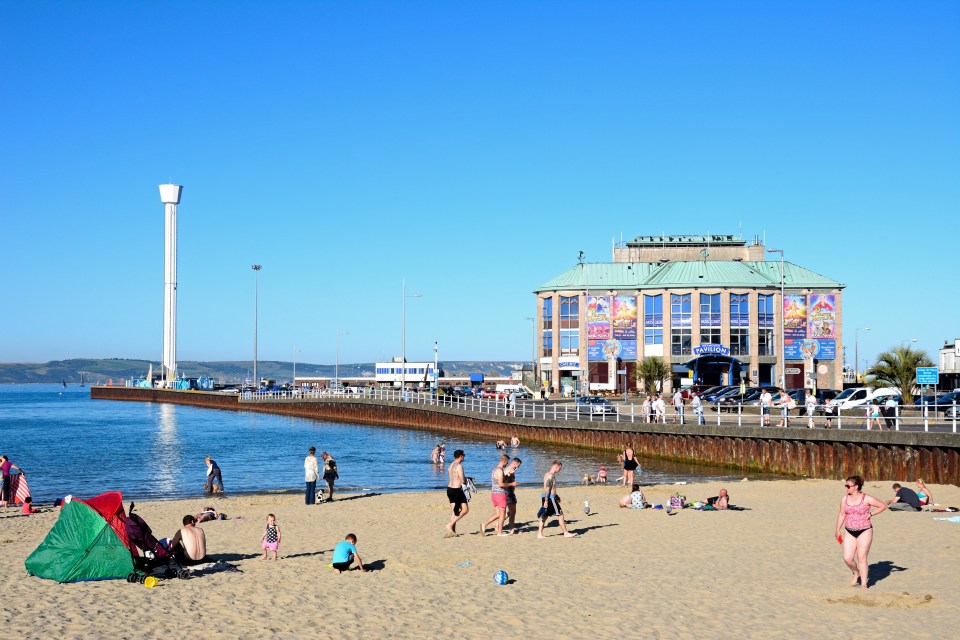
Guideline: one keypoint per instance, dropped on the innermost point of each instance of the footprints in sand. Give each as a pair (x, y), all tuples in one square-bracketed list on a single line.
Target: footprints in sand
[(888, 600)]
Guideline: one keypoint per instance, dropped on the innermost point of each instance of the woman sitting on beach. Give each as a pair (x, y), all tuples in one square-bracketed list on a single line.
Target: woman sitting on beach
[(721, 501), (926, 498), (633, 500)]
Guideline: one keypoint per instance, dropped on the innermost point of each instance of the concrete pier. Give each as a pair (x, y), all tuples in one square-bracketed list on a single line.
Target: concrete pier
[(832, 454)]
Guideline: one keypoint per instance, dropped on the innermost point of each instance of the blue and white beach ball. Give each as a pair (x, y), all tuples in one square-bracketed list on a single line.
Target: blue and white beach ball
[(501, 577)]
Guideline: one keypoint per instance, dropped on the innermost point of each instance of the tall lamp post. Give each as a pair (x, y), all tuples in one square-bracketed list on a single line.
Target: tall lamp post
[(533, 352), (256, 306), (906, 340), (783, 347), (856, 352), (403, 334), (336, 366), (295, 352)]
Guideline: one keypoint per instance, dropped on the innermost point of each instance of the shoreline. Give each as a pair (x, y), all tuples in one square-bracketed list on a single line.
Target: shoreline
[(773, 570)]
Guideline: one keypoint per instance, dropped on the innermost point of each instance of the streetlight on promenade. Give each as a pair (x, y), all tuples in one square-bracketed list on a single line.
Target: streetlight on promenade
[(256, 306), (403, 334), (783, 347), (906, 340), (336, 366), (856, 352), (533, 352), (295, 352)]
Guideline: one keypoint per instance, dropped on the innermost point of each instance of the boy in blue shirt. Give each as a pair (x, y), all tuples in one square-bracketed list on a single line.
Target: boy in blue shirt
[(345, 552)]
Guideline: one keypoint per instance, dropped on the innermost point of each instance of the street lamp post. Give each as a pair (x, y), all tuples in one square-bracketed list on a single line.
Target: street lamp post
[(783, 347), (336, 366), (906, 340), (256, 307), (533, 352), (856, 352), (403, 334), (295, 352)]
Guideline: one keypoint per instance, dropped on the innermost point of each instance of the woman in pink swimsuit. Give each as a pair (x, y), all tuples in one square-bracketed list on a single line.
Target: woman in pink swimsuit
[(854, 529)]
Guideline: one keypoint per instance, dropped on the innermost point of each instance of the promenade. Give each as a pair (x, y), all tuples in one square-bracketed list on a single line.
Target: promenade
[(918, 449)]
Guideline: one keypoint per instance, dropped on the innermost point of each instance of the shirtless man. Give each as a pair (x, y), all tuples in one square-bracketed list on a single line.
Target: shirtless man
[(551, 502), (458, 499), (189, 546)]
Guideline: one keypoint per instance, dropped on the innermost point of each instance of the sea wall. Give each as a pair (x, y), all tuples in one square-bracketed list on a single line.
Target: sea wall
[(833, 454)]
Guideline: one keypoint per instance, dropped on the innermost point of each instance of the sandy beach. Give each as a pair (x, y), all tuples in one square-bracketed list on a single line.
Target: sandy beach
[(773, 571)]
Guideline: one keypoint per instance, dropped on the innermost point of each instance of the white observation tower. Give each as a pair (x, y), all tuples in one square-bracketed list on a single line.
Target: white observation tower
[(170, 196)]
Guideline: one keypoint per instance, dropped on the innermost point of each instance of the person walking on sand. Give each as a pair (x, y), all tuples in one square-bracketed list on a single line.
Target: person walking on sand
[(214, 480), (344, 554), (311, 471), (510, 479), (856, 509), (498, 495), (330, 473), (270, 540), (551, 502), (458, 499)]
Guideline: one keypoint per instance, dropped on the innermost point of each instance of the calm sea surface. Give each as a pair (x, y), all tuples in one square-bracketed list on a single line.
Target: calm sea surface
[(70, 444)]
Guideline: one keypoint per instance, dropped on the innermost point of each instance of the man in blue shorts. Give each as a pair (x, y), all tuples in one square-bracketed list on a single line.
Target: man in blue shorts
[(551, 502)]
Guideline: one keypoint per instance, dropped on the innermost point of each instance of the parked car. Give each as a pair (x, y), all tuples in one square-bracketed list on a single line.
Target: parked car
[(699, 389), (523, 394), (851, 397), (732, 398), (594, 405), (863, 396), (714, 395)]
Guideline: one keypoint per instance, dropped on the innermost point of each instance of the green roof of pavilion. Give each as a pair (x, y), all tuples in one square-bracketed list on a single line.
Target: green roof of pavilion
[(679, 275)]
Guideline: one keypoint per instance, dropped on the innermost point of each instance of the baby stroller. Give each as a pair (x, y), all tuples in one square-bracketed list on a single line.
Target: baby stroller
[(155, 555)]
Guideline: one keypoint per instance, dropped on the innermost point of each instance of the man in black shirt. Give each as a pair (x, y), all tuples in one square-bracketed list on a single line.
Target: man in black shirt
[(905, 500)]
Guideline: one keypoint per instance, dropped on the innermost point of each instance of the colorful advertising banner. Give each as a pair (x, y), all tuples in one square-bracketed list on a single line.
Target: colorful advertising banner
[(624, 318), (802, 349), (605, 350), (822, 318), (598, 317), (794, 317)]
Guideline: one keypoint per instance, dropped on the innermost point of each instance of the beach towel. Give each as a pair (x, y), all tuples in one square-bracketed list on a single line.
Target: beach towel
[(953, 519)]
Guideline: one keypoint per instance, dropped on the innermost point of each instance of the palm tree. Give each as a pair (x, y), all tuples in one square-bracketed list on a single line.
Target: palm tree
[(651, 373), (897, 368)]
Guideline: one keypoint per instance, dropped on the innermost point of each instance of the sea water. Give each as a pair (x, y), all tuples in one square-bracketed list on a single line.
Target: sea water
[(70, 444)]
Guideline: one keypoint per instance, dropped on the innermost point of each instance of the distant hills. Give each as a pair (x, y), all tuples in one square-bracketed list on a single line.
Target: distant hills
[(101, 371)]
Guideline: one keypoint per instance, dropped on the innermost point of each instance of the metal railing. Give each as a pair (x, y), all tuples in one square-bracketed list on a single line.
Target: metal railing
[(926, 418)]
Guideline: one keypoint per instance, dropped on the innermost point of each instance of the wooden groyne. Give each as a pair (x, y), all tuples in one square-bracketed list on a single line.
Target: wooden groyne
[(832, 454)]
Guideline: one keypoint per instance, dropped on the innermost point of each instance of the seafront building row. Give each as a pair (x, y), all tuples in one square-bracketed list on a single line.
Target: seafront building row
[(716, 309)]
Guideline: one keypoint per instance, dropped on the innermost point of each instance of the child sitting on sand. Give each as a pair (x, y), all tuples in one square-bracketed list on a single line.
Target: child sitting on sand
[(602, 475), (345, 552), (271, 537), (28, 506)]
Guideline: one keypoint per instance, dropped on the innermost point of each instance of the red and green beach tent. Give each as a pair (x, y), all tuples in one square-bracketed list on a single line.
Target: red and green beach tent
[(88, 542)]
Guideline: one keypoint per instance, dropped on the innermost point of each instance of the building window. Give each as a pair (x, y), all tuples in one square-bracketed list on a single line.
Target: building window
[(653, 319), (569, 325), (547, 345), (739, 324), (547, 314), (681, 316), (569, 342), (765, 320), (765, 342), (710, 318)]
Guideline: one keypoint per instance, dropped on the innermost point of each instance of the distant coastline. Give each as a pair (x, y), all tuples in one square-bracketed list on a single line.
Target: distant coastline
[(103, 370)]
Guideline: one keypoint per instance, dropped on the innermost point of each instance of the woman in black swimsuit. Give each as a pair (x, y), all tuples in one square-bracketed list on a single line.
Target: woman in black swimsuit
[(629, 465)]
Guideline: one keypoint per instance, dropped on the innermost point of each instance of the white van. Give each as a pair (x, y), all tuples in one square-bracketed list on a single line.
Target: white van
[(859, 396)]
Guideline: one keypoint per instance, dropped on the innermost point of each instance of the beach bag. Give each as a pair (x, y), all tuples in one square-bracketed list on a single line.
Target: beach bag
[(678, 501)]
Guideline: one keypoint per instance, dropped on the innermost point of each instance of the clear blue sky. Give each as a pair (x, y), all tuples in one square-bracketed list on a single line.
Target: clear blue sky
[(474, 148)]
